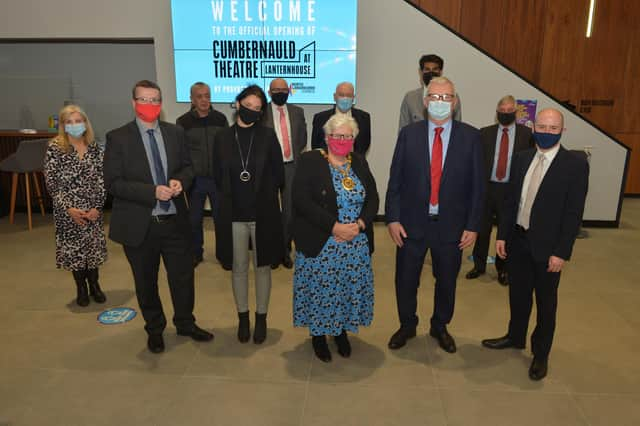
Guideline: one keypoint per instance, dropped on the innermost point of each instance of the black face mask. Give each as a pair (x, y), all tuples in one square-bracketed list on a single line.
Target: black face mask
[(248, 116), (280, 98), (427, 76), (506, 118)]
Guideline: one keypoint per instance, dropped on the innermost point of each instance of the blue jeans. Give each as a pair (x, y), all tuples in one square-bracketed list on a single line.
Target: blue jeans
[(202, 188)]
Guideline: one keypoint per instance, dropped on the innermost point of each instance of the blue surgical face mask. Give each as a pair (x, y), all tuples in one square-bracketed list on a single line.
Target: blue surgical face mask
[(75, 130), (344, 104), (439, 110), (546, 140)]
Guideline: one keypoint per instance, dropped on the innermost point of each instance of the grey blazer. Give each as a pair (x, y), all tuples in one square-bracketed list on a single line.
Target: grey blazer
[(298, 137)]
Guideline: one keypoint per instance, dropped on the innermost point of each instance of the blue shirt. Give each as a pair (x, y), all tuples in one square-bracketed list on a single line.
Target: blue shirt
[(163, 156), (444, 136), (511, 131)]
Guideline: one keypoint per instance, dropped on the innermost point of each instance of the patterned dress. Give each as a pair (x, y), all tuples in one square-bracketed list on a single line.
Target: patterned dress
[(79, 183), (334, 290)]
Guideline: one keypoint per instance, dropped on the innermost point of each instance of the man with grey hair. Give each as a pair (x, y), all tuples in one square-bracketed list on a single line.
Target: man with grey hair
[(434, 202), (200, 125), (500, 141), (412, 107), (343, 97), (540, 220)]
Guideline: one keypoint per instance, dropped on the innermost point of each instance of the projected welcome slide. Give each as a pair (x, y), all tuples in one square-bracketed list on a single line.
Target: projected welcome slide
[(229, 44)]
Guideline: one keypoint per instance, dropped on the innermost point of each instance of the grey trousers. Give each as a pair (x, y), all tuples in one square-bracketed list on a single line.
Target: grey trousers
[(242, 233)]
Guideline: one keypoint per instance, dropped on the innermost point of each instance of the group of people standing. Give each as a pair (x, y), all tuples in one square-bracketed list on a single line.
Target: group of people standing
[(447, 183)]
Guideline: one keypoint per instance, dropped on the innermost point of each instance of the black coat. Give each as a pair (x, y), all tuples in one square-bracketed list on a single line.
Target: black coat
[(363, 140), (128, 178), (200, 136), (268, 180), (557, 210), (489, 134), (315, 206)]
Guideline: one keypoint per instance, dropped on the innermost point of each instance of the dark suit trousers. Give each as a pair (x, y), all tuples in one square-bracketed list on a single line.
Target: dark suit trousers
[(163, 240), (202, 188), (527, 276), (493, 206), (287, 205), (446, 258)]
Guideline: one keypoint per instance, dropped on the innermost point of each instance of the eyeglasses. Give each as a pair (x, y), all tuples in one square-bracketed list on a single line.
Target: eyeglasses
[(341, 137), (154, 101), (447, 97), (543, 127)]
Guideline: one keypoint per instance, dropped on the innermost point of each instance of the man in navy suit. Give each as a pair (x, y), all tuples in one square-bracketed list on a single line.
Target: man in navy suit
[(434, 202), (540, 220)]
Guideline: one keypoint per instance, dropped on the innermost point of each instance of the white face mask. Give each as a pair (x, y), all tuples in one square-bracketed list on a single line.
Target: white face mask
[(439, 110)]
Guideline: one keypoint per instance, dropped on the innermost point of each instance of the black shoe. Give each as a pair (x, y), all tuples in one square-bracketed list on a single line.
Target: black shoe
[(502, 343), (321, 348), (400, 337), (82, 294), (260, 330), (444, 339), (197, 334), (94, 287), (155, 343), (473, 274), (244, 332), (344, 347), (538, 369), (287, 262), (197, 260), (503, 278)]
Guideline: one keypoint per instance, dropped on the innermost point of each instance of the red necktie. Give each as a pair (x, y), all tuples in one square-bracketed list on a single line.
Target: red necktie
[(503, 156), (436, 166), (284, 131)]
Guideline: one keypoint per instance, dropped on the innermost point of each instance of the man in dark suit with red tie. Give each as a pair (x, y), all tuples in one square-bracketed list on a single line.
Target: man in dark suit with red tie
[(541, 217), (290, 126), (501, 141), (434, 202)]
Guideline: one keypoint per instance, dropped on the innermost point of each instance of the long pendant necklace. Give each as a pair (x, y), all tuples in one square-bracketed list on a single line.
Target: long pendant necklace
[(347, 182), (245, 176)]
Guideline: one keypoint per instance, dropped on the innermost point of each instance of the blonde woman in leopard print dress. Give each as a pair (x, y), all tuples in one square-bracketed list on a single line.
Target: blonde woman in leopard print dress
[(73, 174)]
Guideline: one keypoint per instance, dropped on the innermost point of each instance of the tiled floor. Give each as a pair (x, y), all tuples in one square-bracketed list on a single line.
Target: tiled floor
[(59, 366)]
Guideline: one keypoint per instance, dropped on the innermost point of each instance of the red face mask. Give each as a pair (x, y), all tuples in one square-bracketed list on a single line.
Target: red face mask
[(148, 112), (340, 147)]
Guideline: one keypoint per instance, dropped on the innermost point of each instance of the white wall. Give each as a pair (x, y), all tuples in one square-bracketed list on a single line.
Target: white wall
[(391, 37)]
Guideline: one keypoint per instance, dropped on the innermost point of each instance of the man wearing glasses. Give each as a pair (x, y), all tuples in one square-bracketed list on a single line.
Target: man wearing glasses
[(434, 202), (147, 166), (412, 108), (541, 217)]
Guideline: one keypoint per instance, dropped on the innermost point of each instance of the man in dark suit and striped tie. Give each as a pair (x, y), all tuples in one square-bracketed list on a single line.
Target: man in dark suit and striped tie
[(147, 166)]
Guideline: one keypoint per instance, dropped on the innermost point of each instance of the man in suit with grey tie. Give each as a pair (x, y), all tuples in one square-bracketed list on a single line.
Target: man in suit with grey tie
[(500, 141), (540, 220), (147, 166), (291, 129)]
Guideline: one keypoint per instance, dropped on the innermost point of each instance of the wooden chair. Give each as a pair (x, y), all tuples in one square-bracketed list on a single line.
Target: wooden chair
[(28, 161)]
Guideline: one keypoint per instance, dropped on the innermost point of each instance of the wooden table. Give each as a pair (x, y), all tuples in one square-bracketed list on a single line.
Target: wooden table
[(9, 140)]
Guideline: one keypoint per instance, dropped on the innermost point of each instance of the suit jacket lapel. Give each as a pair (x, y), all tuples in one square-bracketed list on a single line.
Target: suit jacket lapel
[(491, 147), (138, 151), (422, 152), (451, 148), (550, 177), (170, 148)]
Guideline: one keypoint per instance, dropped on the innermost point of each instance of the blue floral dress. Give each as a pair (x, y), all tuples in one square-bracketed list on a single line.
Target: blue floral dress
[(334, 290)]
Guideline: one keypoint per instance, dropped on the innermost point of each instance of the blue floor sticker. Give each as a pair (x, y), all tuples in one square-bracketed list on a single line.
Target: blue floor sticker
[(117, 316)]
